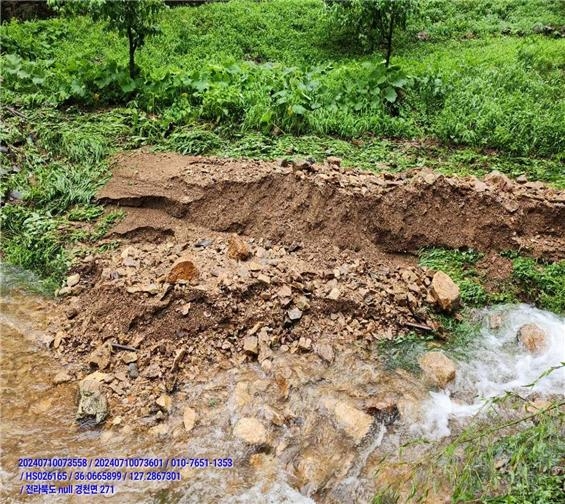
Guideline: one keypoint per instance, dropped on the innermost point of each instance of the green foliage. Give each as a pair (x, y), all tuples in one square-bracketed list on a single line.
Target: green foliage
[(372, 22), (537, 282), (134, 20), (508, 456), (459, 265), (542, 283)]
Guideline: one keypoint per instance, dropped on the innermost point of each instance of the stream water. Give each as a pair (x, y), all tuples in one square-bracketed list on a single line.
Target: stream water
[(308, 458)]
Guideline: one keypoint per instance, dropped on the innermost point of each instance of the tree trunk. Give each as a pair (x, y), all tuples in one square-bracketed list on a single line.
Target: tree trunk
[(132, 48), (389, 38)]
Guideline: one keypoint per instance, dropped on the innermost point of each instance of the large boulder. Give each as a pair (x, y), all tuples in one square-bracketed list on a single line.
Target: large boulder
[(445, 292), (438, 369), (532, 337)]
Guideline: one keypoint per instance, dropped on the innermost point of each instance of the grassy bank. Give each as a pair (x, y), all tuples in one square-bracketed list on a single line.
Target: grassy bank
[(478, 88)]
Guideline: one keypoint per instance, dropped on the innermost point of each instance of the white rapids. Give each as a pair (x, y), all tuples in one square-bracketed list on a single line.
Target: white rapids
[(496, 364)]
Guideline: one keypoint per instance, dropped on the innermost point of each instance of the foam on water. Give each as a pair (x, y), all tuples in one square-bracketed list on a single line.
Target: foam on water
[(497, 364)]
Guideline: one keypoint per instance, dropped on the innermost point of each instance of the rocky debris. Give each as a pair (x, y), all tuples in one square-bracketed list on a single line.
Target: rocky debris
[(325, 351), (92, 401), (100, 357), (532, 337), (498, 180), (438, 369), (189, 418), (184, 269), (445, 292), (238, 248), (294, 314), (165, 403), (384, 410), (132, 370), (333, 160), (73, 280), (61, 377), (251, 345), (354, 422), (251, 431)]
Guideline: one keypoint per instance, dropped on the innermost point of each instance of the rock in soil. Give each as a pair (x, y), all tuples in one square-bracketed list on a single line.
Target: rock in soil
[(438, 369), (445, 291), (183, 269), (238, 248)]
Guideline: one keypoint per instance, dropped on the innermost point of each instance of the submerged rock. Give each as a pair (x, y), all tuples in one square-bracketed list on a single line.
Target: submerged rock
[(92, 401), (438, 368), (189, 418), (445, 292), (532, 337), (354, 422), (250, 430)]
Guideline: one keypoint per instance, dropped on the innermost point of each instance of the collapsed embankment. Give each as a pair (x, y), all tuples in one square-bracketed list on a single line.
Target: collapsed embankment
[(219, 262)]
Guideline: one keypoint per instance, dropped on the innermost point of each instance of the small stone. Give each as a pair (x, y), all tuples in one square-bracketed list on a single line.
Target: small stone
[(183, 269), (325, 351), (304, 343), (251, 345), (61, 377), (521, 179), (100, 357), (71, 312), (238, 248), (250, 430), (254, 266), (495, 321), (264, 279), (92, 401), (445, 292), (129, 357), (532, 337), (294, 314), (438, 369), (73, 280), (189, 418), (203, 243), (284, 292), (302, 303), (499, 180), (333, 160), (132, 370), (354, 422), (165, 402), (334, 294)]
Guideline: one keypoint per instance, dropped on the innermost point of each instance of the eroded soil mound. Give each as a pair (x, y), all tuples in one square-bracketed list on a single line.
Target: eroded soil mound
[(221, 262)]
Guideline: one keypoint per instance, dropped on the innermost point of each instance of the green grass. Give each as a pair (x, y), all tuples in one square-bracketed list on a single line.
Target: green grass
[(229, 63), (270, 80), (508, 457)]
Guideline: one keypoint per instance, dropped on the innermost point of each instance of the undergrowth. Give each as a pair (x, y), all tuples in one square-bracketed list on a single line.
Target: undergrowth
[(509, 455)]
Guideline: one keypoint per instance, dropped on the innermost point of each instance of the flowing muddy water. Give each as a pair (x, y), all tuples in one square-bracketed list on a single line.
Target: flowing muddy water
[(325, 433)]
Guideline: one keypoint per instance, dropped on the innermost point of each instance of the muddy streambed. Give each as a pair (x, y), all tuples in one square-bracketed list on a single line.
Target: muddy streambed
[(326, 427)]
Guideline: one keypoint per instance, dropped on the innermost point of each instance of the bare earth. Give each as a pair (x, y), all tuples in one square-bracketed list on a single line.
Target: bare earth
[(330, 266)]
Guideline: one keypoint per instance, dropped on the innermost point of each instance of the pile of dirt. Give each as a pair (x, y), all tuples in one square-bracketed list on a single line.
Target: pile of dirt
[(222, 262)]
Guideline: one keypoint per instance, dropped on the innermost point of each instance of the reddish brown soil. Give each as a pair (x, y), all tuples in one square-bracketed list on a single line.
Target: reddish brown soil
[(335, 244)]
